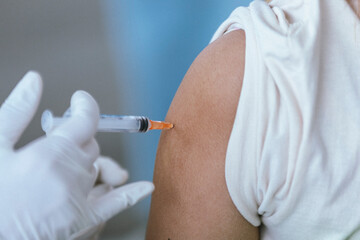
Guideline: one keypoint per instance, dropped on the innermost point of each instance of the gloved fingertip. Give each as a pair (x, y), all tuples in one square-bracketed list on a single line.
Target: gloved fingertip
[(32, 75), (144, 188), (140, 191), (123, 177), (116, 177), (111, 172), (135, 192), (81, 94), (33, 81), (113, 179), (82, 100), (150, 187)]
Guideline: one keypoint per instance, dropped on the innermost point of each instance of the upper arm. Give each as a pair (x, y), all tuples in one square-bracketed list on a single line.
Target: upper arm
[(191, 200)]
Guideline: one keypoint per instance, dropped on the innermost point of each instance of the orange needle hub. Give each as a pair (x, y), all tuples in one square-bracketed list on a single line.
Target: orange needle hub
[(160, 125)]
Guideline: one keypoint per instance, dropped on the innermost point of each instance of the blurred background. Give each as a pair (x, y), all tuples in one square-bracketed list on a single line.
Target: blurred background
[(130, 55)]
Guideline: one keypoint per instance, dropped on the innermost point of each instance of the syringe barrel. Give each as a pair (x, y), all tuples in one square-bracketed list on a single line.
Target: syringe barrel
[(107, 123), (120, 123)]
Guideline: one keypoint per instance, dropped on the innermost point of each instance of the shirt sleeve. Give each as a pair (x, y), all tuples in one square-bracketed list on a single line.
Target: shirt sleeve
[(254, 177), (241, 157)]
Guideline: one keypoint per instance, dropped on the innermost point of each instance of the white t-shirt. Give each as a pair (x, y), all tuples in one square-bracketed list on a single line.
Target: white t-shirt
[(293, 158)]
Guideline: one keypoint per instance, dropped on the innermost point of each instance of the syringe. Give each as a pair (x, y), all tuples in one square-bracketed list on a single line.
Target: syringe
[(109, 123)]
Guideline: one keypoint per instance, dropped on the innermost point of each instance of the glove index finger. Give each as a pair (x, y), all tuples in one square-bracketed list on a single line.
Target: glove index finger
[(19, 108), (82, 124)]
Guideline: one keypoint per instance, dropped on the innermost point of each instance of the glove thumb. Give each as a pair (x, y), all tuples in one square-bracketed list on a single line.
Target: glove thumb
[(120, 199)]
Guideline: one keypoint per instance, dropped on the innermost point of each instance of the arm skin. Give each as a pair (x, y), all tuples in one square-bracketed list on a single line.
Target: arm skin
[(191, 200)]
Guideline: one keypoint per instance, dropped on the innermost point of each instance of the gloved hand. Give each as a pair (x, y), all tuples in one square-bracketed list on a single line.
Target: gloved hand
[(109, 175), (46, 185)]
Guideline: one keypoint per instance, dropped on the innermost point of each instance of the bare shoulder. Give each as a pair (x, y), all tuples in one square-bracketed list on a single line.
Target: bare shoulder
[(191, 200)]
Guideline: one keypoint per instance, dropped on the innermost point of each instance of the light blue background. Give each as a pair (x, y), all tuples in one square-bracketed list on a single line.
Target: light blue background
[(153, 44)]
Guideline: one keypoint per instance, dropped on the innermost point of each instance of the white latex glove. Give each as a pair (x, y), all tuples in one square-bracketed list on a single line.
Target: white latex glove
[(109, 175), (44, 192)]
